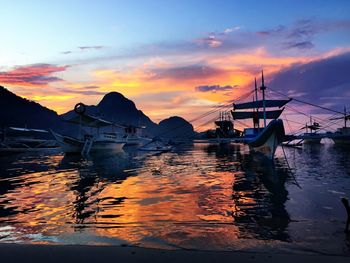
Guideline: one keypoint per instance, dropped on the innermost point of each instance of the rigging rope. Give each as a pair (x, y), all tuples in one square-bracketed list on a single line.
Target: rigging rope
[(306, 102)]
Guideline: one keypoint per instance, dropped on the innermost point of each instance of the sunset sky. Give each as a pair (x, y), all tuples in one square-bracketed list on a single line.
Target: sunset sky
[(169, 57)]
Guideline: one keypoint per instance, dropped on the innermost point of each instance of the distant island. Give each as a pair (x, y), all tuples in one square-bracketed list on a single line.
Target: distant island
[(115, 107)]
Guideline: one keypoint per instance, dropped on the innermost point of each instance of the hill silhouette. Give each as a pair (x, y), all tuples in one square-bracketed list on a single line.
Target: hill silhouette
[(20, 112)]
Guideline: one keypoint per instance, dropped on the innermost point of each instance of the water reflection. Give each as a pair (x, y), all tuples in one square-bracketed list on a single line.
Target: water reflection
[(259, 193), (200, 196)]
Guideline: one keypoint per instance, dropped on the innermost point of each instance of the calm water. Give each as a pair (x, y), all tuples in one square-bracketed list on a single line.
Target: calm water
[(199, 196)]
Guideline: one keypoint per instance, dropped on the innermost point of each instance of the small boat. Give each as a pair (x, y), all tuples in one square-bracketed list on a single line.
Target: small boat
[(342, 135), (133, 136), (16, 139), (311, 136), (224, 130), (96, 140), (156, 145), (261, 139)]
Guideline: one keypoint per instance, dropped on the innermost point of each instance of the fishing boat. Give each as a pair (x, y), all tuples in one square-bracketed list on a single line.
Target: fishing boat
[(156, 145), (342, 135), (97, 139), (17, 139), (133, 135), (225, 130), (311, 136), (263, 139)]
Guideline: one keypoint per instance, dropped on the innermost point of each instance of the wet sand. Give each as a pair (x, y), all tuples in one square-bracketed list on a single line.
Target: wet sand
[(75, 253)]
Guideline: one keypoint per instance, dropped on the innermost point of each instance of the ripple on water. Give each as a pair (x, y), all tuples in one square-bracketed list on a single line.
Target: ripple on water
[(199, 196)]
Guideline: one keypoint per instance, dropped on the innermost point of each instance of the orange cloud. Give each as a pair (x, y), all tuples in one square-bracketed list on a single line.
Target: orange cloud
[(31, 75)]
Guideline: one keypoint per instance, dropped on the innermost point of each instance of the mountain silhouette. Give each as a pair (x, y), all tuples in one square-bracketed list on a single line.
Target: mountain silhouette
[(120, 110), (20, 112), (175, 127)]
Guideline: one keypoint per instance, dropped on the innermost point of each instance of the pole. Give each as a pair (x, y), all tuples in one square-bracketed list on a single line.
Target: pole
[(262, 88), (345, 117), (256, 99)]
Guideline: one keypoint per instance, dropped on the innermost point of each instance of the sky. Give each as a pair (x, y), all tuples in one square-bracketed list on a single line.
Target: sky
[(169, 57)]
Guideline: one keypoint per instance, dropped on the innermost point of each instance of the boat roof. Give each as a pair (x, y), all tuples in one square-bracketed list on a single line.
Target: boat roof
[(27, 130), (260, 104), (134, 126), (91, 121)]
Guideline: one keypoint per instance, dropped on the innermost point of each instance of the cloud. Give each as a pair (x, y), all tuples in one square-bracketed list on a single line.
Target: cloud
[(84, 90), (214, 88), (318, 81), (90, 47), (273, 31), (31, 75), (300, 45), (230, 30), (301, 34), (210, 41), (188, 72), (92, 87)]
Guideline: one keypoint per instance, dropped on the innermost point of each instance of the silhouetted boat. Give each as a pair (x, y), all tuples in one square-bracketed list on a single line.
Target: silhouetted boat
[(156, 145), (96, 140), (261, 139), (133, 136), (342, 135), (311, 136), (16, 139)]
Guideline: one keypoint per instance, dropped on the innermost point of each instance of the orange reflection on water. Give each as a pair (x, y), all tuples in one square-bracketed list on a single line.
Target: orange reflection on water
[(169, 200)]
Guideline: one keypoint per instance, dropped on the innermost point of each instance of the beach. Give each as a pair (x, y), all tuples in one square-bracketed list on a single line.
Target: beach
[(76, 253)]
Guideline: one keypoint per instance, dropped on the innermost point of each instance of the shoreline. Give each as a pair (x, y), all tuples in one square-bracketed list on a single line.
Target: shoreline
[(86, 253)]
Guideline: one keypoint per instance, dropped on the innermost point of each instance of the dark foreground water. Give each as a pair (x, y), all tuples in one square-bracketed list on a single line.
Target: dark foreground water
[(199, 196)]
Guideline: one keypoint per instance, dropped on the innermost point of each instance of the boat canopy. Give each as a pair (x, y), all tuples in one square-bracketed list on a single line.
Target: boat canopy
[(91, 121), (260, 104), (27, 130), (274, 114), (313, 127)]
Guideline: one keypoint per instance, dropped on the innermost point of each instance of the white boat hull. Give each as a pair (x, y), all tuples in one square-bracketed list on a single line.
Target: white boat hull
[(73, 145), (268, 140), (268, 148)]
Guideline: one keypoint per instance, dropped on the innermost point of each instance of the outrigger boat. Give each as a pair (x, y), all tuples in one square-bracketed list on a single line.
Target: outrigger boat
[(311, 136), (133, 136), (156, 145), (96, 140), (261, 139), (224, 131), (16, 139), (342, 135)]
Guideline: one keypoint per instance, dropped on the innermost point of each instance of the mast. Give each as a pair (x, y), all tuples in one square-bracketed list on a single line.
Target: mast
[(345, 117), (262, 88), (257, 106)]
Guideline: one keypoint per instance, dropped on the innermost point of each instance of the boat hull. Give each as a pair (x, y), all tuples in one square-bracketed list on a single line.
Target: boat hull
[(137, 141), (341, 140), (268, 140), (73, 145), (312, 141)]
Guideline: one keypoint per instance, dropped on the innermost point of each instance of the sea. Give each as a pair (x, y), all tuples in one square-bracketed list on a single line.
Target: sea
[(199, 196)]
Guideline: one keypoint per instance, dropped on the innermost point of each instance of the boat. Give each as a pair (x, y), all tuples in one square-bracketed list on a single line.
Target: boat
[(17, 139), (342, 135), (224, 130), (156, 145), (311, 136), (263, 139), (133, 136), (95, 140)]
